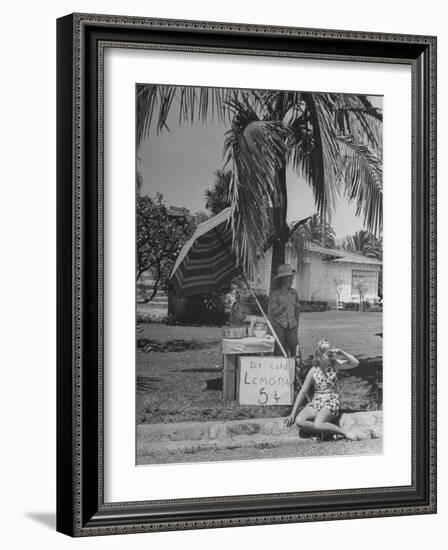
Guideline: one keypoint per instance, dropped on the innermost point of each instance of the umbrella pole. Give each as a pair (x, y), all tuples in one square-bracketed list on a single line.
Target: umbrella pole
[(265, 316), (270, 326)]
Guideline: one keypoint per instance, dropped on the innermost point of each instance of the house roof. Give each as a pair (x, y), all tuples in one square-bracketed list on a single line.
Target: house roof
[(342, 256)]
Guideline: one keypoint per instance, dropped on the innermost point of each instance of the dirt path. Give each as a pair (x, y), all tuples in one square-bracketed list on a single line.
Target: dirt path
[(308, 449)]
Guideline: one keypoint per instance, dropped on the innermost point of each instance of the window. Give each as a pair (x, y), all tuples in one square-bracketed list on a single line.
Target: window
[(366, 280)]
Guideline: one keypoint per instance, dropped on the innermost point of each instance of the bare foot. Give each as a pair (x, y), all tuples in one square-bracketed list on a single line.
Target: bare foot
[(351, 436), (348, 422)]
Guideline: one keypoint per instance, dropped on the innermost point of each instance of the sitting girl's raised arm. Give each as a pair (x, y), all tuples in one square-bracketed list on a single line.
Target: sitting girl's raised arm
[(350, 361)]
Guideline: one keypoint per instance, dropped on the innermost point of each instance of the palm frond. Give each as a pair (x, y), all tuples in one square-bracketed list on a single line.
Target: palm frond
[(363, 179), (369, 109), (335, 140), (254, 152), (318, 231), (146, 102), (320, 164), (202, 104), (280, 104), (355, 115), (364, 243), (156, 102)]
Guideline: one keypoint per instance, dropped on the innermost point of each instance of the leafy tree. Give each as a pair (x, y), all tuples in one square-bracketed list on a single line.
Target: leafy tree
[(217, 198), (159, 240), (200, 217), (361, 287), (334, 141)]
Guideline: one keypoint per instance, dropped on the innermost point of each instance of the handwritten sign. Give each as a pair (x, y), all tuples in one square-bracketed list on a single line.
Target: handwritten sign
[(266, 381)]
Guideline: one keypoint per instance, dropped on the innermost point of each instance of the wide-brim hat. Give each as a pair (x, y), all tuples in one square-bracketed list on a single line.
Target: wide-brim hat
[(284, 270)]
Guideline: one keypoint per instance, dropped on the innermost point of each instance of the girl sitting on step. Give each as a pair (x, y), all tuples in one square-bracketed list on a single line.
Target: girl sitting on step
[(319, 413)]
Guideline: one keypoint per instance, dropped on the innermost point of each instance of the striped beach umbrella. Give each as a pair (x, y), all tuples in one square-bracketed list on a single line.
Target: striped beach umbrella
[(206, 261)]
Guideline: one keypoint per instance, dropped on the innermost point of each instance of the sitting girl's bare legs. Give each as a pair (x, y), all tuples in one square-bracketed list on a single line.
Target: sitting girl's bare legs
[(322, 423), (311, 421), (305, 419)]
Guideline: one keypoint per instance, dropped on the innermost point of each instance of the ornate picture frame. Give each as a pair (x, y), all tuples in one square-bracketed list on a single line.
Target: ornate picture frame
[(81, 506)]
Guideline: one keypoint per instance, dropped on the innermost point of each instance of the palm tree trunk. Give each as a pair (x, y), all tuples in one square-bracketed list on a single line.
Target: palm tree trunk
[(278, 258), (280, 226)]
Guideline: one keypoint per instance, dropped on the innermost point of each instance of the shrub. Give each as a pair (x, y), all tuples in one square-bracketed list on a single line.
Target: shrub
[(313, 305), (366, 306), (201, 309)]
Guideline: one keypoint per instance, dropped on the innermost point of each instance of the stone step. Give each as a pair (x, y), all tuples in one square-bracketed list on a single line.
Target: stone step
[(148, 434)]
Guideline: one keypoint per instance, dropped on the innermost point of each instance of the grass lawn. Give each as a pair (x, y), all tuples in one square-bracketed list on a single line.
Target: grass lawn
[(179, 369)]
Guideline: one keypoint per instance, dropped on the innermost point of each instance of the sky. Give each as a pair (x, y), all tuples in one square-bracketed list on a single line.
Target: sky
[(181, 163)]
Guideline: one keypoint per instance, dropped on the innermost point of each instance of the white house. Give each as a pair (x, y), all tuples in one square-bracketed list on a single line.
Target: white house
[(328, 275)]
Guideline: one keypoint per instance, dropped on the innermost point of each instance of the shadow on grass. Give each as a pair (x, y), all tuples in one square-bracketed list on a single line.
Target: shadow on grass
[(205, 369), (149, 346), (147, 383), (362, 387), (214, 384)]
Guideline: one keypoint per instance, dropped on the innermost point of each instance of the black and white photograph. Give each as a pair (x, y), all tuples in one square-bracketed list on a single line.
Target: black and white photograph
[(221, 256), (259, 292)]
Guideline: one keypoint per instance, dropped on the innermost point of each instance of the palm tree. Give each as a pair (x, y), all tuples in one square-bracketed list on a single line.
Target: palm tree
[(364, 243), (334, 141), (315, 230)]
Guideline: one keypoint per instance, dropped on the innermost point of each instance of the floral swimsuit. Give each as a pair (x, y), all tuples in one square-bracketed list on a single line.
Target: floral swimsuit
[(324, 382)]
